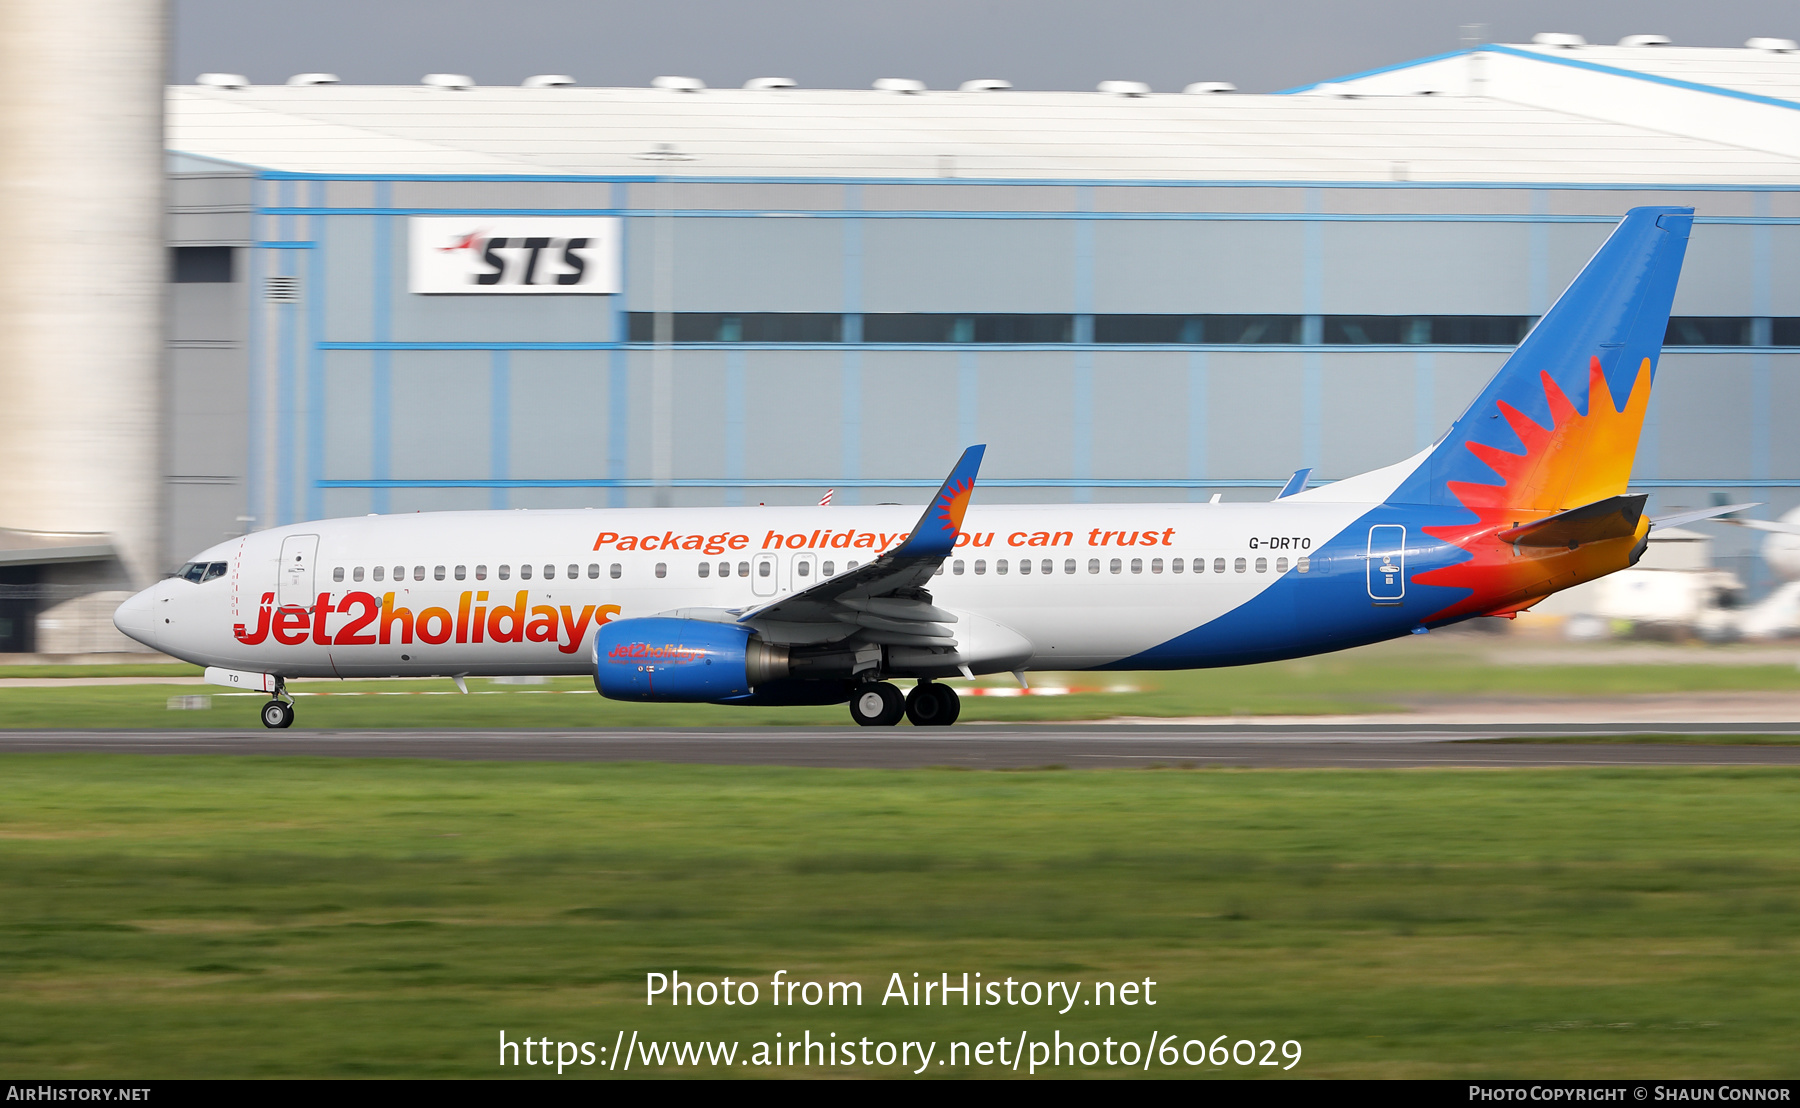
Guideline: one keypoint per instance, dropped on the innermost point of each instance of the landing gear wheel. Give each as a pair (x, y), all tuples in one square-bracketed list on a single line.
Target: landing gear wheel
[(877, 705), (277, 715), (933, 705)]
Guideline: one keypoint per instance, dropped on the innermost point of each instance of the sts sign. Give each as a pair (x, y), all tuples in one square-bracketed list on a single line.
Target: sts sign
[(515, 254)]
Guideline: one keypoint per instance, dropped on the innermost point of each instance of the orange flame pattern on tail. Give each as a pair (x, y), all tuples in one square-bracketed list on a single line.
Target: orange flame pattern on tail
[(1577, 460)]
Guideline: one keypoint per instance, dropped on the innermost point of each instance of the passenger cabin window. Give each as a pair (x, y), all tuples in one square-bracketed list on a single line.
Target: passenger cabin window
[(1024, 565), (1281, 565), (1048, 566), (1262, 565), (763, 569), (1116, 565), (662, 569), (1093, 565), (803, 569), (574, 573), (380, 572), (504, 573), (337, 574), (437, 573), (594, 570), (956, 567), (418, 573), (724, 569), (480, 573), (828, 569), (706, 569), (399, 573), (356, 574), (1069, 565), (462, 572), (1000, 566), (615, 571), (550, 573), (981, 565), (1219, 565), (524, 572), (850, 567), (1237, 565), (1156, 565)]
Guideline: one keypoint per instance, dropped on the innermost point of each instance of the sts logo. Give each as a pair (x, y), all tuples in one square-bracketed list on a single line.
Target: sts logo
[(529, 255)]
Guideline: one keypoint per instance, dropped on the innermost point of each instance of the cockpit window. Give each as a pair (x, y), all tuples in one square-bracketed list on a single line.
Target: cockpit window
[(201, 571)]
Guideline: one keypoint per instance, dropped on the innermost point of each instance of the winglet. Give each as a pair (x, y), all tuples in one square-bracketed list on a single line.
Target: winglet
[(934, 536), (1296, 483)]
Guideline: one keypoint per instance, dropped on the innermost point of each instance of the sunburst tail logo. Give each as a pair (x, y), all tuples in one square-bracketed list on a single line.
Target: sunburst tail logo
[(935, 534), (1556, 429)]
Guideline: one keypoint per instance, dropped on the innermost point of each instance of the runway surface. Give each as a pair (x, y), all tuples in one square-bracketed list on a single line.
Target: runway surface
[(1014, 746)]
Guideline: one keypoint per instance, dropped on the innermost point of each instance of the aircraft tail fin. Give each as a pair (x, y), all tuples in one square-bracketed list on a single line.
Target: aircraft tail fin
[(1558, 426)]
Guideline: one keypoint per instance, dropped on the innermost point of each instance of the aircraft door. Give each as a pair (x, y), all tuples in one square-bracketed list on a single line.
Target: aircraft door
[(803, 571), (1387, 563), (762, 575), (294, 579)]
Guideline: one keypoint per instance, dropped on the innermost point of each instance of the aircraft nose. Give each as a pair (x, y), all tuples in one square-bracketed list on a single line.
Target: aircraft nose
[(136, 617)]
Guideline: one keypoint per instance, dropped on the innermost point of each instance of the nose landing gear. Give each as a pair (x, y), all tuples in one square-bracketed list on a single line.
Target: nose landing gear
[(279, 713)]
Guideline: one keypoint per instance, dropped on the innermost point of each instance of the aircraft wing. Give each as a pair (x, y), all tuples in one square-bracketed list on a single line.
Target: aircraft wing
[(885, 598)]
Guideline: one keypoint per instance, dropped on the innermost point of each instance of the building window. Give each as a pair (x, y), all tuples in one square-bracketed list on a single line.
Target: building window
[(1197, 330), (1707, 330), (1425, 330), (781, 327), (944, 327), (201, 265), (1784, 331)]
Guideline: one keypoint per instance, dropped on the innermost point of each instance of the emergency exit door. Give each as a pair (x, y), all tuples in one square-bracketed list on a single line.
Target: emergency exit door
[(294, 578), (1387, 563)]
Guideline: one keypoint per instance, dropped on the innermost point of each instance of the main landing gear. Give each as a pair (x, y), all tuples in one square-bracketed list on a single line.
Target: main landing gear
[(279, 713), (880, 704)]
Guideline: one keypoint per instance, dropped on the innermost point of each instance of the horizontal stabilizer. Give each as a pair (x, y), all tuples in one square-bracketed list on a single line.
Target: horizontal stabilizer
[(1296, 483), (1681, 518), (1616, 517)]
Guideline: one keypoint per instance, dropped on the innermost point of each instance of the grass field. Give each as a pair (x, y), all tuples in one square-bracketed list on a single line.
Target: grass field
[(267, 917), (1388, 677)]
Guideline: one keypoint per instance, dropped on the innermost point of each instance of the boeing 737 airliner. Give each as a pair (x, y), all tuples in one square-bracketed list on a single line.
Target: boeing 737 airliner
[(1524, 496)]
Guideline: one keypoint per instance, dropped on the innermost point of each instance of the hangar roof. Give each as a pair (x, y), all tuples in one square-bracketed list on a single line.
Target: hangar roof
[(1502, 114)]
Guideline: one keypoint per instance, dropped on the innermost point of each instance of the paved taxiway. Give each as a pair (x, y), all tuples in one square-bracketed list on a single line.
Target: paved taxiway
[(1075, 746)]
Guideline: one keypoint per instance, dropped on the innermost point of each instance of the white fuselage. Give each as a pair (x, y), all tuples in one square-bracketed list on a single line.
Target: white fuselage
[(429, 594)]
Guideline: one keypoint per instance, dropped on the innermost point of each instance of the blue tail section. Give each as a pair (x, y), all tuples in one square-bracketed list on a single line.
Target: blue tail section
[(1608, 324)]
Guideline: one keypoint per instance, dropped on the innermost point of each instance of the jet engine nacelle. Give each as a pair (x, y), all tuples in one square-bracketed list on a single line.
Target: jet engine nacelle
[(691, 660)]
